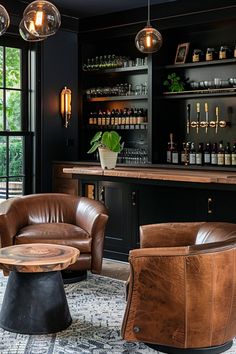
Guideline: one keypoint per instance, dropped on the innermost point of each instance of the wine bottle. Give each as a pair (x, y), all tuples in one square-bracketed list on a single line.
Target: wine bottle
[(228, 155), (199, 154), (221, 155), (233, 155), (192, 155)]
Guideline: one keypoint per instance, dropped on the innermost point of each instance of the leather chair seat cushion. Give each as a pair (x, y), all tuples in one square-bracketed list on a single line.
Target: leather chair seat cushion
[(58, 233)]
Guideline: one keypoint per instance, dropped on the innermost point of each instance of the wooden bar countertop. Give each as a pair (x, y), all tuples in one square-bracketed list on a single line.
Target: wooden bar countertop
[(163, 174)]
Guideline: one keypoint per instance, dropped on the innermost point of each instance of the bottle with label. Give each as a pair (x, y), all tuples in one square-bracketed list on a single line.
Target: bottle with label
[(170, 149), (199, 154), (214, 154), (192, 155), (221, 155), (175, 155), (183, 154), (207, 154), (228, 155), (233, 155)]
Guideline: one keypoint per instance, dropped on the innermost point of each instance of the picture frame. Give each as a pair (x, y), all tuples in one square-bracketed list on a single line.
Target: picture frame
[(181, 53)]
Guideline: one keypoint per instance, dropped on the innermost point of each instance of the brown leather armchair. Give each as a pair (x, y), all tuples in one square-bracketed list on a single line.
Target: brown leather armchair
[(182, 288), (57, 218)]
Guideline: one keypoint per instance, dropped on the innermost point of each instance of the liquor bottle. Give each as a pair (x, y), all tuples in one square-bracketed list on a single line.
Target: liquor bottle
[(175, 154), (99, 117), (233, 155), (108, 117), (207, 154), (214, 154), (183, 154), (228, 155), (170, 149), (90, 120), (221, 155), (199, 154), (192, 155)]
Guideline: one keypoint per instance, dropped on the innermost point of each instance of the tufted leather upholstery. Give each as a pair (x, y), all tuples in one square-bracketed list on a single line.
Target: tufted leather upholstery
[(57, 218), (182, 287)]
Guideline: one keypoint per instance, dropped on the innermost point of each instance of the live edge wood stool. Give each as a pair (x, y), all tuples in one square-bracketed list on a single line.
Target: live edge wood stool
[(35, 300)]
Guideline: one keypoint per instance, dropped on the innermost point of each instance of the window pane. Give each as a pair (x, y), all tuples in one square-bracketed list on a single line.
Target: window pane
[(15, 186), (1, 110), (3, 156), (13, 110), (15, 156), (13, 72), (3, 185), (1, 66)]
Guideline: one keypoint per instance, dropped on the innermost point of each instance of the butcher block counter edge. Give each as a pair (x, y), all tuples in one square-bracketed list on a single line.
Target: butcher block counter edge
[(157, 174)]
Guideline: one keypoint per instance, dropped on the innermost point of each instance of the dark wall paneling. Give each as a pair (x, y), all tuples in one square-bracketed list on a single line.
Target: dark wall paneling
[(59, 69)]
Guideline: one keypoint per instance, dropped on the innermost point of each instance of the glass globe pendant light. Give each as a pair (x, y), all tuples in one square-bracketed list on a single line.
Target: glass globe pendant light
[(148, 40), (4, 20), (41, 18), (27, 36)]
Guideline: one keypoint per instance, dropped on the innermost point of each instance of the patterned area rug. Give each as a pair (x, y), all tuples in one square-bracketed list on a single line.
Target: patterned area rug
[(97, 307)]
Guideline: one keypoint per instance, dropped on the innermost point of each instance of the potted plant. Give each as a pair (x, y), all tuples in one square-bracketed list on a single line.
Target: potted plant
[(108, 145)]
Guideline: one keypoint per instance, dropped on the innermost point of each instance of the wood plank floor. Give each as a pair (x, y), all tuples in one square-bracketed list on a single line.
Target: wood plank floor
[(115, 269)]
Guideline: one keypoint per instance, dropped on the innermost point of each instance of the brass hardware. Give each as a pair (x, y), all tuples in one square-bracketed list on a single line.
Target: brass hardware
[(207, 117), (203, 124), (217, 119), (194, 124), (133, 198), (209, 205), (188, 118), (222, 124), (102, 195), (212, 124)]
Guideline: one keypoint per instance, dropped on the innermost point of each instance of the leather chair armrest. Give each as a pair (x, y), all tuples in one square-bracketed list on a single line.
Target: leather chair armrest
[(169, 234), (12, 218), (92, 216)]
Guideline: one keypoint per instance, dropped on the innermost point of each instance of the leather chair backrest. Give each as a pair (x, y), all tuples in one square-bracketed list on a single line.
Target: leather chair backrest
[(43, 208), (211, 232)]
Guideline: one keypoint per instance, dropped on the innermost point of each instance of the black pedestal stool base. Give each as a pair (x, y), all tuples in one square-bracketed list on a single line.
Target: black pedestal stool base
[(210, 350), (35, 303)]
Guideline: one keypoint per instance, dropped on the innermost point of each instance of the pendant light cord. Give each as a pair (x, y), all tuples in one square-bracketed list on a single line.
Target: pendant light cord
[(148, 21)]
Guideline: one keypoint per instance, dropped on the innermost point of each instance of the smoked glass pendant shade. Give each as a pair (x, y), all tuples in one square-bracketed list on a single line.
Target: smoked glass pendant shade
[(148, 40), (41, 18), (4, 20), (27, 36)]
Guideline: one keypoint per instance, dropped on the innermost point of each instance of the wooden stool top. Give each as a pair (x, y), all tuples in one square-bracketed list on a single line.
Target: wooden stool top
[(37, 257)]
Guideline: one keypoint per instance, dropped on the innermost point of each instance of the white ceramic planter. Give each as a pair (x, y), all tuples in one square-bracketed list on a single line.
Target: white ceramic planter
[(108, 158)]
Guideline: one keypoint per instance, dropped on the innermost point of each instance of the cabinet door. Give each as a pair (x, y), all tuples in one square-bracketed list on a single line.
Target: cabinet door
[(118, 198), (171, 204), (221, 206)]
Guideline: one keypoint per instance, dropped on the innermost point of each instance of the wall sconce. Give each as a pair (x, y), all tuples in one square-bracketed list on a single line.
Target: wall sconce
[(66, 105)]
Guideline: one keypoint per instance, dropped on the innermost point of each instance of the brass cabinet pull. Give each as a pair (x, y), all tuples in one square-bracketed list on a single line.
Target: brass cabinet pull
[(102, 195), (133, 198), (209, 206)]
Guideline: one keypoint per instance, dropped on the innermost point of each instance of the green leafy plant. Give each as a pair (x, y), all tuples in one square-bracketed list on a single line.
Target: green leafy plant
[(174, 83), (109, 140)]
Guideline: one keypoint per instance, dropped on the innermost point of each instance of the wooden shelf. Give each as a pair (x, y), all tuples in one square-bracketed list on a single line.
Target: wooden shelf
[(117, 98), (130, 69), (199, 93), (142, 126), (202, 63)]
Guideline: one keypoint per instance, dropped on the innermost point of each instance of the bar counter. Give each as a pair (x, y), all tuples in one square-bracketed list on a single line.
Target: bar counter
[(161, 174)]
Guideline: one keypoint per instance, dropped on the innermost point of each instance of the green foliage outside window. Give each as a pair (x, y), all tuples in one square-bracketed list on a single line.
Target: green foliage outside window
[(10, 84)]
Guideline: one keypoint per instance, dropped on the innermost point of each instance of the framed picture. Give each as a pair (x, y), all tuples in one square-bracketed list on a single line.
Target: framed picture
[(181, 53)]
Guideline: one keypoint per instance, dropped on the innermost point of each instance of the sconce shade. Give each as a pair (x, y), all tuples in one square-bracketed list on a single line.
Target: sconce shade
[(148, 40), (27, 36), (66, 105), (41, 18), (4, 20)]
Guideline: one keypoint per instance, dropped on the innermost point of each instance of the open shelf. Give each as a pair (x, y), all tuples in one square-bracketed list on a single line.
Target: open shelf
[(199, 93), (117, 98), (201, 63), (142, 68)]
